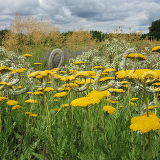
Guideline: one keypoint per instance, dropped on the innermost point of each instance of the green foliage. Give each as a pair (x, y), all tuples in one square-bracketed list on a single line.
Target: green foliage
[(154, 30), (2, 34), (98, 35)]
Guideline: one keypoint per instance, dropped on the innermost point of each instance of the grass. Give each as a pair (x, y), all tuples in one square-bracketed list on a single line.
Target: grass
[(76, 133)]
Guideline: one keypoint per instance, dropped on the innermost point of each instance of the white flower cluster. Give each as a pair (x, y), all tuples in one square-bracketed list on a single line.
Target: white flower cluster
[(112, 54), (12, 60)]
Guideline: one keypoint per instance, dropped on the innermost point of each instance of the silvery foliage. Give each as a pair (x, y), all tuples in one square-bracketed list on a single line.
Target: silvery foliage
[(109, 55), (13, 61), (112, 54)]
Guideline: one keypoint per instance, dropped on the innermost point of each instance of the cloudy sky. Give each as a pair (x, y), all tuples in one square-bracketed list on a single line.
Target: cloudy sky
[(103, 15)]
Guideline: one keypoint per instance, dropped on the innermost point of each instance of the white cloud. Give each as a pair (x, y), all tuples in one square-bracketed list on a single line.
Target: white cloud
[(88, 14)]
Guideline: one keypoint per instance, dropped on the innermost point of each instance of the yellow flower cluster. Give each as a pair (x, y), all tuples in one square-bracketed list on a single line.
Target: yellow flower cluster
[(16, 107), (145, 123), (4, 69), (79, 62), (3, 99), (116, 90), (139, 74), (152, 107), (134, 99), (31, 101), (99, 94), (84, 101), (104, 79), (60, 94), (12, 102), (92, 98), (85, 74), (31, 114), (41, 74), (20, 70), (98, 67), (136, 56), (156, 84), (37, 63), (84, 81), (156, 49), (56, 109), (65, 105), (109, 70), (48, 89), (5, 83), (109, 109), (112, 101), (37, 93), (27, 55)]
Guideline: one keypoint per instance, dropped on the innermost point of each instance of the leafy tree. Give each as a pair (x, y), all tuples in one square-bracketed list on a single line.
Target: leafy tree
[(98, 35), (154, 30), (2, 34)]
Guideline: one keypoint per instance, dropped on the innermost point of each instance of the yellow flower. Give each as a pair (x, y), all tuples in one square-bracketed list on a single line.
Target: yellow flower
[(29, 92), (28, 113), (98, 67), (60, 94), (109, 109), (156, 89), (20, 70), (145, 123), (139, 74), (56, 109), (105, 79), (39, 89), (19, 87), (16, 107), (62, 71), (85, 74), (56, 100), (65, 105), (124, 82), (31, 101), (124, 86), (79, 62), (156, 49), (33, 115), (134, 99), (99, 94), (136, 56), (152, 107), (84, 102), (112, 101), (133, 104), (109, 70), (5, 83), (4, 69), (48, 89), (37, 93), (39, 76), (156, 84), (37, 63), (116, 90), (27, 55), (49, 82), (12, 102), (3, 99)]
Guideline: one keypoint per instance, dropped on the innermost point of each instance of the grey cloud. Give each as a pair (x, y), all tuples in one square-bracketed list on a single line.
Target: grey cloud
[(102, 15)]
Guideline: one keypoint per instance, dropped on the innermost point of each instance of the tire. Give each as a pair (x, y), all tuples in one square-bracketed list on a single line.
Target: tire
[(55, 59)]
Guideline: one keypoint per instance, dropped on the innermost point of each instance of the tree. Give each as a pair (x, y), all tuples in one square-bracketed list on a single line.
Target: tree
[(154, 30), (98, 35)]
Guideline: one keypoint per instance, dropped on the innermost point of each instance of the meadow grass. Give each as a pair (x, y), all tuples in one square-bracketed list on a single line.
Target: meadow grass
[(47, 130)]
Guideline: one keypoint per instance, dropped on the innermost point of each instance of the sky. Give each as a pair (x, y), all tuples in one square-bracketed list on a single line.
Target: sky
[(102, 15)]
